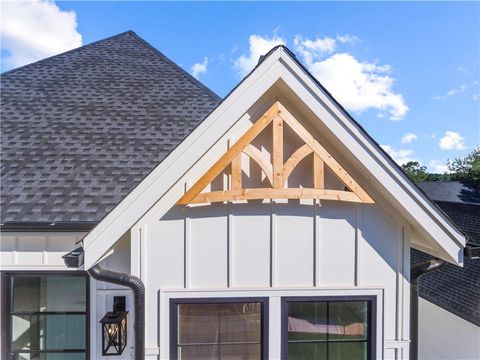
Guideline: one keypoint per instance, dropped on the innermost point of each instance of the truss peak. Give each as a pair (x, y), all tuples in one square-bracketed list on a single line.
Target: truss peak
[(276, 170)]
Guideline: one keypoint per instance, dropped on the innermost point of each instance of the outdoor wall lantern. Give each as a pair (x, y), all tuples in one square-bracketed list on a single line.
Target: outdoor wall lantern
[(114, 328)]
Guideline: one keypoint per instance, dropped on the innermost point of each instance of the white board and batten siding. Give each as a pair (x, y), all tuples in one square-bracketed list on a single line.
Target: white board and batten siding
[(253, 247), (277, 246), (40, 251)]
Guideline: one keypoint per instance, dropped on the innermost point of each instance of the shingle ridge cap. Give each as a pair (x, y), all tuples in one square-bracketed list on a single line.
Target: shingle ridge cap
[(69, 51), (182, 71)]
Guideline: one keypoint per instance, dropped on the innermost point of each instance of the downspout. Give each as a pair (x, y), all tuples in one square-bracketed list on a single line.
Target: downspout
[(134, 283), (415, 273), (75, 259)]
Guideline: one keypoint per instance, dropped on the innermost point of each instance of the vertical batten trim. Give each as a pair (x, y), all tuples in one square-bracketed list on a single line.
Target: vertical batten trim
[(186, 257), (14, 252), (135, 251), (273, 280), (230, 246), (358, 246), (357, 257), (399, 302), (143, 253), (44, 252), (317, 239)]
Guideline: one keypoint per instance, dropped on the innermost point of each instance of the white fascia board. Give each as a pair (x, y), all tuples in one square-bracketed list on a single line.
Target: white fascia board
[(180, 160), (418, 209), (398, 189)]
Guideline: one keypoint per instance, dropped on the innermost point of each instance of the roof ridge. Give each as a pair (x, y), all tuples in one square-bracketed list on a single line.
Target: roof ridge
[(182, 71), (68, 52)]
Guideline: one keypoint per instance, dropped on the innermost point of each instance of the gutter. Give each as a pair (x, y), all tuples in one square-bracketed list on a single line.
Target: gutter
[(66, 226), (415, 273), (74, 259)]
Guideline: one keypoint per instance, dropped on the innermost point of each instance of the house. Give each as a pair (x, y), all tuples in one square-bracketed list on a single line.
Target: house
[(449, 314), (264, 225)]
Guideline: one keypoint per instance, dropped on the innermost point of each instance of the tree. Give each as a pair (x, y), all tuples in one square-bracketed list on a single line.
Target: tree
[(415, 171), (467, 169)]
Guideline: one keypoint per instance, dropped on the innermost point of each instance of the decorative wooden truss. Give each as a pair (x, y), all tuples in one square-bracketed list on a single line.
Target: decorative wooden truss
[(276, 170)]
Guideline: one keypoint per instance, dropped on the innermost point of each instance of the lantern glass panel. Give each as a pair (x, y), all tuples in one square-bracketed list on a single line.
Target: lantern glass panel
[(114, 333)]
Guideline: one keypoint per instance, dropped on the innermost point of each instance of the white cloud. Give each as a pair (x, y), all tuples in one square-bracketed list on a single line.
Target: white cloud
[(199, 68), (33, 30), (359, 85), (312, 50), (258, 46), (452, 141), (438, 167), (452, 92), (401, 156), (348, 39), (408, 138)]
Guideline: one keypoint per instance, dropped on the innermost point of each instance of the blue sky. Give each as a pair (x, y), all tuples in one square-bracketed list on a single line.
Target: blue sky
[(408, 72)]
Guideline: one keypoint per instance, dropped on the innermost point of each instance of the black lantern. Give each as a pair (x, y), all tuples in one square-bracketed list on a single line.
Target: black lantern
[(114, 328)]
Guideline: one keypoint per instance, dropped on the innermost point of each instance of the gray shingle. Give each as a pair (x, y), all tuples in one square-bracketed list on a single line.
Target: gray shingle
[(79, 130), (454, 288)]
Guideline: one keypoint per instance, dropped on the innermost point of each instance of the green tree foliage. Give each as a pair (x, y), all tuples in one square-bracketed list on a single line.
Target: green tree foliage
[(467, 169), (415, 171), (418, 172)]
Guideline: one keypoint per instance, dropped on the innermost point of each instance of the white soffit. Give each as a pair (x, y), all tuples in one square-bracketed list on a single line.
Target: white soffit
[(404, 195)]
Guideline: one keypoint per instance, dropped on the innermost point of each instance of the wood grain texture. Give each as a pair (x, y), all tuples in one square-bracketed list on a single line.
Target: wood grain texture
[(269, 193), (261, 159), (318, 172), (226, 158), (324, 154), (301, 153)]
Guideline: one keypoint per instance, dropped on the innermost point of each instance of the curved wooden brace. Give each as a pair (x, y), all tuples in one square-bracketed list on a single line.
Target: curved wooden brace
[(301, 153), (271, 193), (262, 161)]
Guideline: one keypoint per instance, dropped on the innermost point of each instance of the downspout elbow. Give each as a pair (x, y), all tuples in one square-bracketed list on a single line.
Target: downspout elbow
[(138, 288)]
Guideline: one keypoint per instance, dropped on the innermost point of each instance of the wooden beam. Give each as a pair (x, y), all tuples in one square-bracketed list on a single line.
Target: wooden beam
[(236, 173), (301, 153), (277, 152), (262, 161), (323, 154), (226, 158), (318, 172), (269, 193)]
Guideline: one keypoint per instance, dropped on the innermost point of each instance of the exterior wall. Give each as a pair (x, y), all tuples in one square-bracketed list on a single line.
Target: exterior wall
[(443, 335), (328, 246), (42, 251), (268, 246), (101, 300), (36, 250)]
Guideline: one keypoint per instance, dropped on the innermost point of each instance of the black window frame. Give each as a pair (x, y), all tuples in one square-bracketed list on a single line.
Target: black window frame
[(371, 319), (7, 312), (264, 318)]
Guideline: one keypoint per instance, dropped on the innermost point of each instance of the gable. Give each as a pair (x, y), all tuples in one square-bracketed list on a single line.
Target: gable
[(197, 154), (275, 168)]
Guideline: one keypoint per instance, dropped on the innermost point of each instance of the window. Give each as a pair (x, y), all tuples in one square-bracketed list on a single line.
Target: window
[(328, 328), (46, 316), (226, 328)]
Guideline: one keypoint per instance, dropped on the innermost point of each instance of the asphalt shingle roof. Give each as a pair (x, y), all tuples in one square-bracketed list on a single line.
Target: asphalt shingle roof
[(454, 288), (81, 129)]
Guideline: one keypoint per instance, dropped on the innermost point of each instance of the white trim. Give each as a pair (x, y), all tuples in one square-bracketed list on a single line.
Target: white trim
[(26, 267), (274, 295), (393, 184)]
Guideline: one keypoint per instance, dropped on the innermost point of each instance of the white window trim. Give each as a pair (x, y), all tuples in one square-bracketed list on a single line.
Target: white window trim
[(274, 309)]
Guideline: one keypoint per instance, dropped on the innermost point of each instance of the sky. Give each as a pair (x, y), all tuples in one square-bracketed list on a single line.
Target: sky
[(408, 72)]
